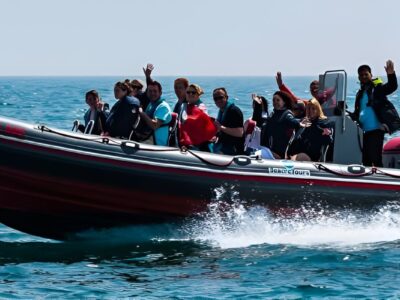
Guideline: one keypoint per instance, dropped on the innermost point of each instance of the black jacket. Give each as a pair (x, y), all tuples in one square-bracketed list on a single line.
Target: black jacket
[(377, 99), (122, 117), (310, 140), (277, 131)]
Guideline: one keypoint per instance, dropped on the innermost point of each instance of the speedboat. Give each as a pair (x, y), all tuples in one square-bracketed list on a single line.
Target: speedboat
[(55, 183)]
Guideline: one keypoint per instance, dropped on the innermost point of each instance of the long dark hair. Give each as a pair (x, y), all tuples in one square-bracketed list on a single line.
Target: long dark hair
[(286, 98)]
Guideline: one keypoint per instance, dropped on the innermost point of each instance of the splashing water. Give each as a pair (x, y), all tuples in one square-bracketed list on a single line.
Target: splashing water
[(234, 225)]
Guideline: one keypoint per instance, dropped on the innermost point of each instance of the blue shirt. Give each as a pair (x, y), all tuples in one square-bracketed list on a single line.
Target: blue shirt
[(368, 119), (162, 113)]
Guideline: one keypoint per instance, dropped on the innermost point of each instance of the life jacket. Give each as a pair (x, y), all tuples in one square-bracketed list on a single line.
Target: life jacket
[(195, 126), (143, 131)]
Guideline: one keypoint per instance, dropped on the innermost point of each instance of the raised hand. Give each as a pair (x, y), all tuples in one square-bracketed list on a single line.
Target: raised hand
[(256, 98), (147, 71), (279, 80), (389, 67)]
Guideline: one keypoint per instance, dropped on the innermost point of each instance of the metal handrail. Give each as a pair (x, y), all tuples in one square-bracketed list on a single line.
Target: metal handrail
[(344, 95)]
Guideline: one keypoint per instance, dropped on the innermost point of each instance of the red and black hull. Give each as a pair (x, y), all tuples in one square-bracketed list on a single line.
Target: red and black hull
[(53, 184)]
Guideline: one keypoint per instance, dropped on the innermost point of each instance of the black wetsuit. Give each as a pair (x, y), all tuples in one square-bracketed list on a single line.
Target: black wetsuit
[(123, 116), (310, 140), (277, 131)]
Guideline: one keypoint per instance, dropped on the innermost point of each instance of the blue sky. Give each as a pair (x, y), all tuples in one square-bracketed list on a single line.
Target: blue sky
[(207, 37)]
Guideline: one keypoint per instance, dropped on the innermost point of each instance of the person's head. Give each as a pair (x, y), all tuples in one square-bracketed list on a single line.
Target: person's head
[(314, 87), (314, 110), (154, 91), (282, 100), (364, 74), (299, 110), (92, 98), (180, 87), (121, 89), (220, 96), (136, 87), (193, 93)]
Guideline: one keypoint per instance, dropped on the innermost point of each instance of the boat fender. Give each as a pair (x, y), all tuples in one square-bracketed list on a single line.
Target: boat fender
[(356, 169), (242, 160)]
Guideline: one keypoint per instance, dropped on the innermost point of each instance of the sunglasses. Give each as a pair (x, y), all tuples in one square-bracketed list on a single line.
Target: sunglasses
[(191, 92), (136, 87), (216, 98)]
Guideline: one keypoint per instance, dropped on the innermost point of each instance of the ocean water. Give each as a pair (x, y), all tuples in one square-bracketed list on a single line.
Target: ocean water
[(249, 254)]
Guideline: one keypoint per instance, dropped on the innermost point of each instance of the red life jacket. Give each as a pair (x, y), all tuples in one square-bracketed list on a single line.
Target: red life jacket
[(196, 127)]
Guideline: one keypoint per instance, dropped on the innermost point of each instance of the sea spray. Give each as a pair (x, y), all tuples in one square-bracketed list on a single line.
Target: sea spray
[(233, 225)]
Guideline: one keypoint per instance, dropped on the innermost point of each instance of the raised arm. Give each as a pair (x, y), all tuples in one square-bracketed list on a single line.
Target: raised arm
[(390, 86), (282, 87), (147, 72)]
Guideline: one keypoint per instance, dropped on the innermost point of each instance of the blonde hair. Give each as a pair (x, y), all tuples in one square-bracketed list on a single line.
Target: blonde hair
[(197, 88), (314, 103)]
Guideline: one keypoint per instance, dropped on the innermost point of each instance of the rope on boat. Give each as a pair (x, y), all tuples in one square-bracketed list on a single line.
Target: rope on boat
[(136, 145), (322, 167), (378, 171), (372, 171)]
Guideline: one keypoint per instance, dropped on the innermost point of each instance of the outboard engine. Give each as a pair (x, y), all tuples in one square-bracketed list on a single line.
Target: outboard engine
[(391, 153)]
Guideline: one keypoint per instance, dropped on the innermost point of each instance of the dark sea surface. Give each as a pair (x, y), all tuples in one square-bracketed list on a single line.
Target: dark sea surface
[(246, 254)]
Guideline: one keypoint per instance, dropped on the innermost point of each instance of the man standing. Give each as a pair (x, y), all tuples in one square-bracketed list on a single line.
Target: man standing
[(374, 112), (229, 125)]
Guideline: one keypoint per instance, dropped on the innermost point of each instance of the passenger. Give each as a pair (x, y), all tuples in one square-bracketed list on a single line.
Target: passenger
[(97, 113), (260, 109), (196, 129), (123, 114), (136, 88), (280, 125), (157, 115), (322, 97), (229, 123), (317, 133), (374, 112), (252, 126), (180, 87)]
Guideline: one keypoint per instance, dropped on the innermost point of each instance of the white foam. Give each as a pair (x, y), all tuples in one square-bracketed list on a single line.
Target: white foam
[(236, 226)]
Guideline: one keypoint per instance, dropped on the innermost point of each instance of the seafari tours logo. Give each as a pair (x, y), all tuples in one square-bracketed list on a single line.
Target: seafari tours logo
[(289, 170)]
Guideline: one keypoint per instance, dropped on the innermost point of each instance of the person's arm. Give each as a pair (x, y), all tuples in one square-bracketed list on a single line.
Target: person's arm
[(257, 110), (391, 85), (235, 127), (152, 123), (283, 88), (292, 122), (237, 132), (147, 72)]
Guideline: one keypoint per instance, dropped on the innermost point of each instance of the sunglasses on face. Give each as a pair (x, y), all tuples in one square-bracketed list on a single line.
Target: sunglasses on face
[(216, 98), (136, 87), (191, 92)]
